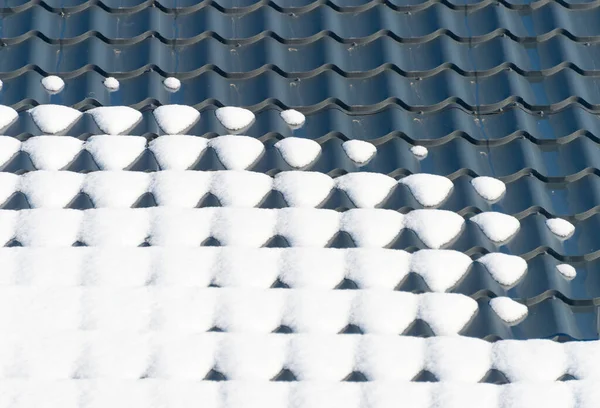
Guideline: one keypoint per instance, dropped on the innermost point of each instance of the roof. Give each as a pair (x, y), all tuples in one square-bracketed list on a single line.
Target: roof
[(304, 204)]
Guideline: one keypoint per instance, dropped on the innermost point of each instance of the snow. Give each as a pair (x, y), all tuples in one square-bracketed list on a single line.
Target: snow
[(53, 119), (298, 152), (240, 188), (307, 226), (560, 227), (489, 188), (114, 227), (440, 269), (50, 189), (177, 152), (420, 152), (446, 313), (115, 120), (172, 84), (303, 188), (366, 190), (429, 190), (567, 271), (116, 189), (8, 185), (359, 151), (52, 152), (496, 226), (7, 116), (180, 188), (48, 227), (505, 269), (435, 228), (370, 228), (9, 146), (175, 119), (115, 152), (234, 118), (293, 118), (237, 152), (530, 360), (508, 310), (53, 84), (112, 84)]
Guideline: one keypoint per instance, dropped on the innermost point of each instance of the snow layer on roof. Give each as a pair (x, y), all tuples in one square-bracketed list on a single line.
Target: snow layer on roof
[(359, 151), (177, 152), (489, 188), (7, 116), (435, 228), (115, 120), (52, 119), (9, 183), (366, 190), (567, 271), (240, 188), (560, 227), (293, 118), (303, 189), (54, 189), (429, 190), (113, 152), (234, 118), (53, 84), (116, 189), (298, 152), (505, 269), (175, 119), (420, 152), (172, 84), (237, 152), (508, 310), (9, 146), (52, 152), (112, 84), (496, 226)]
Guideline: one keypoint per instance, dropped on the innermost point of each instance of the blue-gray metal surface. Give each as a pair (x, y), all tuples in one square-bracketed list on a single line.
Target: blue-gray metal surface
[(507, 88)]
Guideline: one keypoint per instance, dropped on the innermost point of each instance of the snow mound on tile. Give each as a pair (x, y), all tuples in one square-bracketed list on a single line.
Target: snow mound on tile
[(293, 118), (234, 118), (172, 84), (8, 185), (177, 152), (53, 84), (307, 227), (559, 227), (372, 228), (175, 119), (434, 227), (7, 116), (303, 188), (508, 310), (420, 152), (359, 151), (237, 152), (1, 84), (113, 152), (48, 227), (51, 189), (240, 188), (489, 188), (440, 269), (116, 189), (180, 188), (429, 190), (9, 146), (446, 313), (52, 119), (115, 120), (567, 271), (112, 84), (298, 152), (366, 190), (496, 226), (52, 152), (505, 269)]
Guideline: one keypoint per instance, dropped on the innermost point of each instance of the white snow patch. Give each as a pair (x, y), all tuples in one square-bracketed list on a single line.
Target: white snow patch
[(9, 146), (116, 189), (441, 269), (249, 227), (308, 227), (234, 118), (505, 269), (508, 310), (7, 116), (112, 84), (489, 188), (530, 360), (359, 151), (496, 226), (240, 188), (446, 313), (52, 152), (115, 152), (52, 119), (237, 152), (458, 359), (115, 227), (434, 227), (51, 189), (180, 188), (429, 190), (177, 152), (172, 84), (420, 152), (366, 190), (1, 84), (115, 120), (8, 185), (372, 228), (8, 225), (560, 227), (567, 271), (48, 227), (303, 188), (175, 119), (293, 118), (376, 268), (53, 84), (298, 152)]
